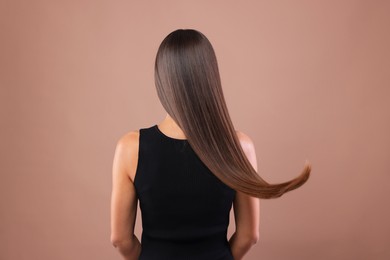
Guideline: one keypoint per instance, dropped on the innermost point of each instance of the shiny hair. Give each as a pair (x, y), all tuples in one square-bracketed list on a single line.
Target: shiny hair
[(189, 87)]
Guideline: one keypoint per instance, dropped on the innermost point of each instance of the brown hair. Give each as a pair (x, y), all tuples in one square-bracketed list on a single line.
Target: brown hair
[(189, 87)]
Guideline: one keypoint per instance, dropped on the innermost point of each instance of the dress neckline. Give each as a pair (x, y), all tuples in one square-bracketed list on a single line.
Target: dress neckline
[(168, 137)]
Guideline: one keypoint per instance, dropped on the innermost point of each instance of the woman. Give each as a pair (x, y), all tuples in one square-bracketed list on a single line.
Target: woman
[(188, 170)]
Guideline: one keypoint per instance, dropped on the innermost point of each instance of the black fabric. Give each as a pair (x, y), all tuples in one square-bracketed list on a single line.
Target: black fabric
[(184, 207)]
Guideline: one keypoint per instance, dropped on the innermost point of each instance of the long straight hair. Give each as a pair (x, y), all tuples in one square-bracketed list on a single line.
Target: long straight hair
[(189, 87)]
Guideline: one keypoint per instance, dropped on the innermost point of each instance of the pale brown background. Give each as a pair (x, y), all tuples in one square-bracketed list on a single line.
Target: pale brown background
[(304, 79)]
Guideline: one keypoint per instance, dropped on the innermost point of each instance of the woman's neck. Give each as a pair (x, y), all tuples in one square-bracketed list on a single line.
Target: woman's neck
[(169, 126)]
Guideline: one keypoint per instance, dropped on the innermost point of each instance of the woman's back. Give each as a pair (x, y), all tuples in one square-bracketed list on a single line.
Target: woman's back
[(184, 204), (184, 207)]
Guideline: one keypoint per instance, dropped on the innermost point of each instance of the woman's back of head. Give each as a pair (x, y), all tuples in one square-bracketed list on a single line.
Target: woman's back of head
[(188, 85)]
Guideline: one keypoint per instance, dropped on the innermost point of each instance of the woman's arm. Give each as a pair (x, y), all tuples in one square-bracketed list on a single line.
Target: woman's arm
[(123, 197), (246, 210), (129, 249)]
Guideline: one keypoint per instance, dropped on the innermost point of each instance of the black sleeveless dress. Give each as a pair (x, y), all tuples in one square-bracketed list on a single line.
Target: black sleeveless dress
[(184, 207)]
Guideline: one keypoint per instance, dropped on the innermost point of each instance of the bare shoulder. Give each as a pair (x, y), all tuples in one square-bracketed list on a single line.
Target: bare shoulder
[(246, 143), (129, 139), (127, 148)]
